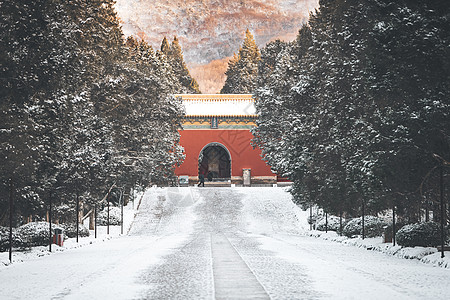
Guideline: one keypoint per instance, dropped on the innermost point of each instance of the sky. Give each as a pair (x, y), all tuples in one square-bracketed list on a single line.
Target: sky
[(210, 31)]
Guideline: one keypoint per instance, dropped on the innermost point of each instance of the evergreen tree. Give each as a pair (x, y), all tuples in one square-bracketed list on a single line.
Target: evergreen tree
[(243, 68), (39, 53), (165, 47), (233, 76), (414, 77), (180, 68), (151, 136), (90, 145), (174, 55), (358, 126), (77, 112)]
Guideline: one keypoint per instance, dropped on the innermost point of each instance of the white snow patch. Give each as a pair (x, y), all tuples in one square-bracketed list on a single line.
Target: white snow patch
[(268, 210)]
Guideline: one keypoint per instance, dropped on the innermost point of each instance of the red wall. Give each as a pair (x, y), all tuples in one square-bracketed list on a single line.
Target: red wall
[(237, 142)]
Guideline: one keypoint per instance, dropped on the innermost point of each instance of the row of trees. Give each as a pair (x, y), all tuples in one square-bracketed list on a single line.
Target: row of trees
[(81, 109), (356, 110)]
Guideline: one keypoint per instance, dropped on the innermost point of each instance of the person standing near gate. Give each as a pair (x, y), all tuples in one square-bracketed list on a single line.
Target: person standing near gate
[(201, 177)]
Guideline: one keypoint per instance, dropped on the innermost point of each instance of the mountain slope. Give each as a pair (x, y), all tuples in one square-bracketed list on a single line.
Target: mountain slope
[(212, 29)]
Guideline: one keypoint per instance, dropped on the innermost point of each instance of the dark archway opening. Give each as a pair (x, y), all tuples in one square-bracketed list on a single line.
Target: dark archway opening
[(215, 161)]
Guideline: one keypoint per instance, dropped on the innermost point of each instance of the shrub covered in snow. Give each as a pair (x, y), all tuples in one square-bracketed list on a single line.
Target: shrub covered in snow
[(35, 233), (426, 234), (333, 223), (373, 226), (114, 216), (70, 230), (4, 239)]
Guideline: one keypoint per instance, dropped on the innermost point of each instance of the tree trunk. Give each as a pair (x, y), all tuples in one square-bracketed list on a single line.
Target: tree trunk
[(81, 212), (92, 221)]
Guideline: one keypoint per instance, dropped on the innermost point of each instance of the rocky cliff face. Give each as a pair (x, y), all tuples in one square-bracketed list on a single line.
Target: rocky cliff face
[(209, 30)]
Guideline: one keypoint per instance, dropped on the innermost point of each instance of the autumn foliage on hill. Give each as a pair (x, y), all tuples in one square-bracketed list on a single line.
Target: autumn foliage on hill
[(212, 29), (211, 77)]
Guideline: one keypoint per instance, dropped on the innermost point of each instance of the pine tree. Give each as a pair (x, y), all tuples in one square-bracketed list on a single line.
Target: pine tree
[(90, 159), (165, 47), (180, 69), (413, 79), (39, 60), (233, 76), (150, 137), (75, 105), (243, 68), (358, 107), (174, 55)]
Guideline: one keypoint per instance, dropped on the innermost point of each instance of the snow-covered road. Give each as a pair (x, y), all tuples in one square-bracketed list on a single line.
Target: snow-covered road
[(224, 243)]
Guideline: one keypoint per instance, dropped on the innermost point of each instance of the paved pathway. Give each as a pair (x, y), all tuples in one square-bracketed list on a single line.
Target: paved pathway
[(220, 243), (246, 244), (233, 279)]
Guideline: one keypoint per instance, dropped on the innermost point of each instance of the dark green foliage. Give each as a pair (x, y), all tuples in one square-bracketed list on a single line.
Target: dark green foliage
[(114, 216), (4, 239), (357, 109), (80, 112), (150, 133), (180, 69), (426, 234), (37, 234)]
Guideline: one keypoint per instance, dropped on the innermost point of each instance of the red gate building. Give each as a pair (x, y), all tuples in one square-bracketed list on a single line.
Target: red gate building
[(216, 138)]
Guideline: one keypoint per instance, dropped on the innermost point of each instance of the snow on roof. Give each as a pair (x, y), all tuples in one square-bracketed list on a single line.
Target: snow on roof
[(230, 105)]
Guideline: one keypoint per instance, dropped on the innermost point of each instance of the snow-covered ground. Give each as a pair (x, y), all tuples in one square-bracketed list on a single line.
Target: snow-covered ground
[(427, 255), (195, 243)]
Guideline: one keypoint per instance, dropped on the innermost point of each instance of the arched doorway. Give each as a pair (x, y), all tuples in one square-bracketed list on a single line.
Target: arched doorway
[(215, 160)]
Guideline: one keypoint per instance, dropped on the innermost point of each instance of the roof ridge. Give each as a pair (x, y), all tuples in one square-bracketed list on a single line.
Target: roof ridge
[(222, 116), (215, 97)]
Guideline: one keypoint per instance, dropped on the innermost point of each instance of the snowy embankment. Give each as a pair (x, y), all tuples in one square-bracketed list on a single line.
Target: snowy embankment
[(272, 211), (428, 255), (286, 217), (129, 212)]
